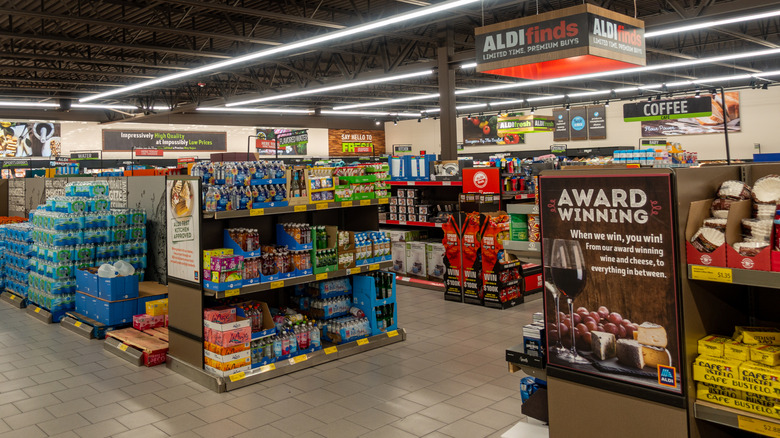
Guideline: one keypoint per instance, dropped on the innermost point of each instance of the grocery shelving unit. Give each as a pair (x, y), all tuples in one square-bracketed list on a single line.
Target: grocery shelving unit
[(426, 183), (527, 251), (412, 223), (188, 299)]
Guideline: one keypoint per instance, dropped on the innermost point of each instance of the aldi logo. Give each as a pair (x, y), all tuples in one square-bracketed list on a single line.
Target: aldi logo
[(667, 376)]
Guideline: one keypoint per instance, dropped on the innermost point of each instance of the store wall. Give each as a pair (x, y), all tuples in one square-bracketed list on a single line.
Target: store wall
[(758, 110)]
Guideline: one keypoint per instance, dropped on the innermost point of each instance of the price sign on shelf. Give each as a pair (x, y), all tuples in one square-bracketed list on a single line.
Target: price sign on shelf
[(298, 359), (364, 202), (533, 246), (12, 297), (237, 376), (363, 341), (322, 206), (323, 276), (346, 204), (77, 324), (384, 200), (299, 208), (374, 267), (354, 271), (269, 367), (37, 310), (760, 427), (709, 273), (277, 284), (123, 347), (392, 334), (331, 350), (257, 212), (232, 293)]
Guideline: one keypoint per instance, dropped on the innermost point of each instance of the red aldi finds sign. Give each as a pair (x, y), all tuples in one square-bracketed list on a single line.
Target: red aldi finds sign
[(481, 180)]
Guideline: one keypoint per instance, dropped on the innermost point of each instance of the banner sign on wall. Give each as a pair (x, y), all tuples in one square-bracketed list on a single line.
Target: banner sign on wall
[(116, 140), (517, 124), (290, 141), (608, 249), (709, 121), (183, 213), (691, 107), (579, 123), (538, 46), (483, 131), (402, 149), (597, 122), (30, 139), (355, 142), (561, 120)]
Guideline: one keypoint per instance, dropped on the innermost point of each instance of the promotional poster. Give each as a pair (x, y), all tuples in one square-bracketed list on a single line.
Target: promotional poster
[(290, 141), (28, 139), (183, 208), (114, 140), (483, 131), (711, 124), (610, 289), (355, 142)]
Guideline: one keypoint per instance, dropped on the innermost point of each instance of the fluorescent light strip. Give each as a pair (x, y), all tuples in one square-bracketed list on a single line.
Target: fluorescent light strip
[(708, 24), (469, 65), (391, 101), (368, 113), (330, 36), (118, 107), (30, 104), (331, 88), (254, 110)]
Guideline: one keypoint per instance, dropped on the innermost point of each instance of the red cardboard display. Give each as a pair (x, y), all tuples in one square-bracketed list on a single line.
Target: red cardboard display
[(761, 262), (699, 211)]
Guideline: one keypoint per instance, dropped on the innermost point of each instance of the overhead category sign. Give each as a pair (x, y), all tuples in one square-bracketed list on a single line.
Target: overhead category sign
[(577, 40), (667, 109), (524, 124)]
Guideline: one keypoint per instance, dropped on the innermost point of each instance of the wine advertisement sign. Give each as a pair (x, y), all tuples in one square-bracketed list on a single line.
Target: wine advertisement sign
[(712, 123), (184, 210), (610, 278)]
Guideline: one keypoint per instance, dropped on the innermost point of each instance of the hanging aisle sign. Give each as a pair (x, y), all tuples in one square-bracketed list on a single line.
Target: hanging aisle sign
[(667, 109), (577, 40), (561, 120), (524, 124)]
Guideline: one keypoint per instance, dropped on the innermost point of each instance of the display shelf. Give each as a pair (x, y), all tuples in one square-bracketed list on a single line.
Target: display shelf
[(412, 223), (737, 419), (88, 327), (297, 280), (417, 282), (322, 205), (45, 315), (426, 183), (522, 246), (518, 195), (124, 351), (327, 354), (745, 277), (527, 208)]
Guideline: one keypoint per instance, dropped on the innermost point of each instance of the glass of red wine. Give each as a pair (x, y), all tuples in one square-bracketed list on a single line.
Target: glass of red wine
[(558, 348), (567, 266)]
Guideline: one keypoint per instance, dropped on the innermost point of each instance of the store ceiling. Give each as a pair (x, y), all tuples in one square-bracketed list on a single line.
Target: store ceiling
[(71, 49)]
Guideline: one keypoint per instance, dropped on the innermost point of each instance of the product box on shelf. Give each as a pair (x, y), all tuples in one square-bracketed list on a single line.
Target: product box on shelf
[(317, 254), (346, 259), (435, 254), (698, 212), (145, 322), (157, 307), (268, 328), (416, 260), (398, 252), (471, 245), (150, 291), (285, 239), (224, 351), (381, 312), (228, 335), (87, 281), (453, 278), (118, 288), (154, 349), (209, 253), (115, 312), (532, 278), (503, 284), (234, 246)]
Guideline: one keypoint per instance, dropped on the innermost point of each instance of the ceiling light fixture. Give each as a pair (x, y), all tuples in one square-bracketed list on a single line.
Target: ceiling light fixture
[(370, 113), (331, 88), (709, 24), (289, 47), (30, 104), (389, 102), (469, 65), (255, 110)]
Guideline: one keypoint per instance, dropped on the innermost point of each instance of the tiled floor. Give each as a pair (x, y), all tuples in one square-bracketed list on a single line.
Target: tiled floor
[(449, 378)]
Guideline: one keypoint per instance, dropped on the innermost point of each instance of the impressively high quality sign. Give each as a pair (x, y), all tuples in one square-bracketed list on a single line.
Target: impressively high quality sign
[(164, 140), (577, 40), (609, 252), (667, 109), (524, 124)]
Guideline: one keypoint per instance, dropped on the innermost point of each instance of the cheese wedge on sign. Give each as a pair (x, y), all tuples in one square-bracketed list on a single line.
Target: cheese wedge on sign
[(654, 356), (603, 344), (652, 334), (629, 353)]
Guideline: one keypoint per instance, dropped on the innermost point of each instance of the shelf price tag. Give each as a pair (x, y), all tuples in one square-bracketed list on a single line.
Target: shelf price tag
[(331, 350), (257, 212), (12, 297), (354, 271), (123, 347), (446, 183), (269, 367), (300, 208), (232, 293), (401, 222), (237, 376), (364, 202), (322, 206), (346, 204), (410, 183), (761, 427), (37, 310), (363, 341), (384, 200), (709, 273), (298, 359), (533, 246), (392, 334), (374, 267), (77, 324), (277, 284), (323, 276)]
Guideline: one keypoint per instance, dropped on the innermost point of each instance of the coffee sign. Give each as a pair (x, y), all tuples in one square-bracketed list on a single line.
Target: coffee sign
[(537, 47), (667, 109)]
